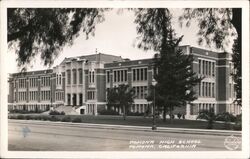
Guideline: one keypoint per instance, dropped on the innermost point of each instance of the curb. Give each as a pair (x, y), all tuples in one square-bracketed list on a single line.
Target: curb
[(134, 128)]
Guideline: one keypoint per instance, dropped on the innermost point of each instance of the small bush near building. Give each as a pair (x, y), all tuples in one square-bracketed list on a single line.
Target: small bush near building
[(66, 119), (108, 112), (135, 114), (77, 120), (44, 118), (27, 117), (54, 112), (62, 113), (54, 118), (20, 117)]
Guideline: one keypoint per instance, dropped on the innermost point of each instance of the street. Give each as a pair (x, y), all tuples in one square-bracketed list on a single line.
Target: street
[(46, 136)]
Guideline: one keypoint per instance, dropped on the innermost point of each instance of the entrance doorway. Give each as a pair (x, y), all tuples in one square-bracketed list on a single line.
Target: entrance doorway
[(82, 111)]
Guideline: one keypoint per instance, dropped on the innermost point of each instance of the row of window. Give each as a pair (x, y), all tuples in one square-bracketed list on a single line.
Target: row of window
[(206, 106), (74, 75), (140, 74), (45, 81), (74, 99), (31, 107), (91, 76), (22, 83), (206, 68), (33, 95), (59, 96), (207, 89), (45, 95), (90, 109), (58, 79), (22, 96), (91, 95), (119, 76), (140, 92), (33, 82), (140, 108)]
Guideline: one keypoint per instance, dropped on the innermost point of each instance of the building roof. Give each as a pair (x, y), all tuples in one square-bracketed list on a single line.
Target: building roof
[(106, 58)]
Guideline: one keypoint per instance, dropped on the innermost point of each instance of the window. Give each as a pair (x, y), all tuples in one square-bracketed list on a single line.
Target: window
[(137, 74), (91, 95), (122, 74), (145, 74), (80, 76), (74, 76), (108, 76), (114, 76), (213, 69), (142, 74), (118, 79), (68, 76), (69, 98), (60, 79), (93, 77), (80, 99), (209, 68), (125, 77), (199, 68), (134, 75)]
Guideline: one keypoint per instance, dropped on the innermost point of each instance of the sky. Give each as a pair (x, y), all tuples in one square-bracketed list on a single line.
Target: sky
[(115, 36)]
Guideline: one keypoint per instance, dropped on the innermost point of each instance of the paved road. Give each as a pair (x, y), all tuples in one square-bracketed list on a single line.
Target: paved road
[(46, 136)]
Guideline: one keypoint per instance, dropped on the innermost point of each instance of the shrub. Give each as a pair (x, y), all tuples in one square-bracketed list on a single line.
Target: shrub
[(12, 117), (54, 118), (54, 112), (135, 114), (108, 112), (227, 117), (20, 117), (44, 118), (27, 117), (209, 116), (62, 113), (66, 119), (77, 120)]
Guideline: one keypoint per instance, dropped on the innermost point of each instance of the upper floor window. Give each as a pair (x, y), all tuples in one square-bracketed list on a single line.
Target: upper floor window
[(206, 67), (45, 81), (140, 74), (108, 76), (74, 76), (120, 75), (91, 76), (68, 76), (80, 76)]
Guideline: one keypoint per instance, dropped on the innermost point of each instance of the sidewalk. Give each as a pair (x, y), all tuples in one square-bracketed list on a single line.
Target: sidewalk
[(133, 128)]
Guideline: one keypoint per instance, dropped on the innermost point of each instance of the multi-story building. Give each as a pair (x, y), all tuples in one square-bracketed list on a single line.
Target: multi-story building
[(82, 83)]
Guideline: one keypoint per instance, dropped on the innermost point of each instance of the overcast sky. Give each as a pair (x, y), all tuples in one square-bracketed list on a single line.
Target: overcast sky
[(114, 36)]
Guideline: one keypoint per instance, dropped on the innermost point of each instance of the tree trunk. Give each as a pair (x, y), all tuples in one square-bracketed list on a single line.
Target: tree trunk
[(124, 113), (170, 114), (164, 113)]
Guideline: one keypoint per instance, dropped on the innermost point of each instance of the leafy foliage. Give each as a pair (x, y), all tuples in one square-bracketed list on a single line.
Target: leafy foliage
[(208, 115), (216, 25), (48, 30), (175, 78), (121, 97)]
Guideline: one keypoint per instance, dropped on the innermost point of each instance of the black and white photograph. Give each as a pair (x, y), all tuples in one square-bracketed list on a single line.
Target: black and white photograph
[(124, 79)]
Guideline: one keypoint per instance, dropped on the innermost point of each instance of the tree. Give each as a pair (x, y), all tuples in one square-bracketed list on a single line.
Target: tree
[(216, 25), (209, 116), (47, 30), (175, 78), (121, 97)]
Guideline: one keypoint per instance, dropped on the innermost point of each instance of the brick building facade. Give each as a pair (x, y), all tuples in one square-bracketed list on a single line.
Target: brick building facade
[(82, 83)]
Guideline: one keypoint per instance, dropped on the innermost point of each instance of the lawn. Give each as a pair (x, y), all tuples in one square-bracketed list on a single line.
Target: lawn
[(130, 120)]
